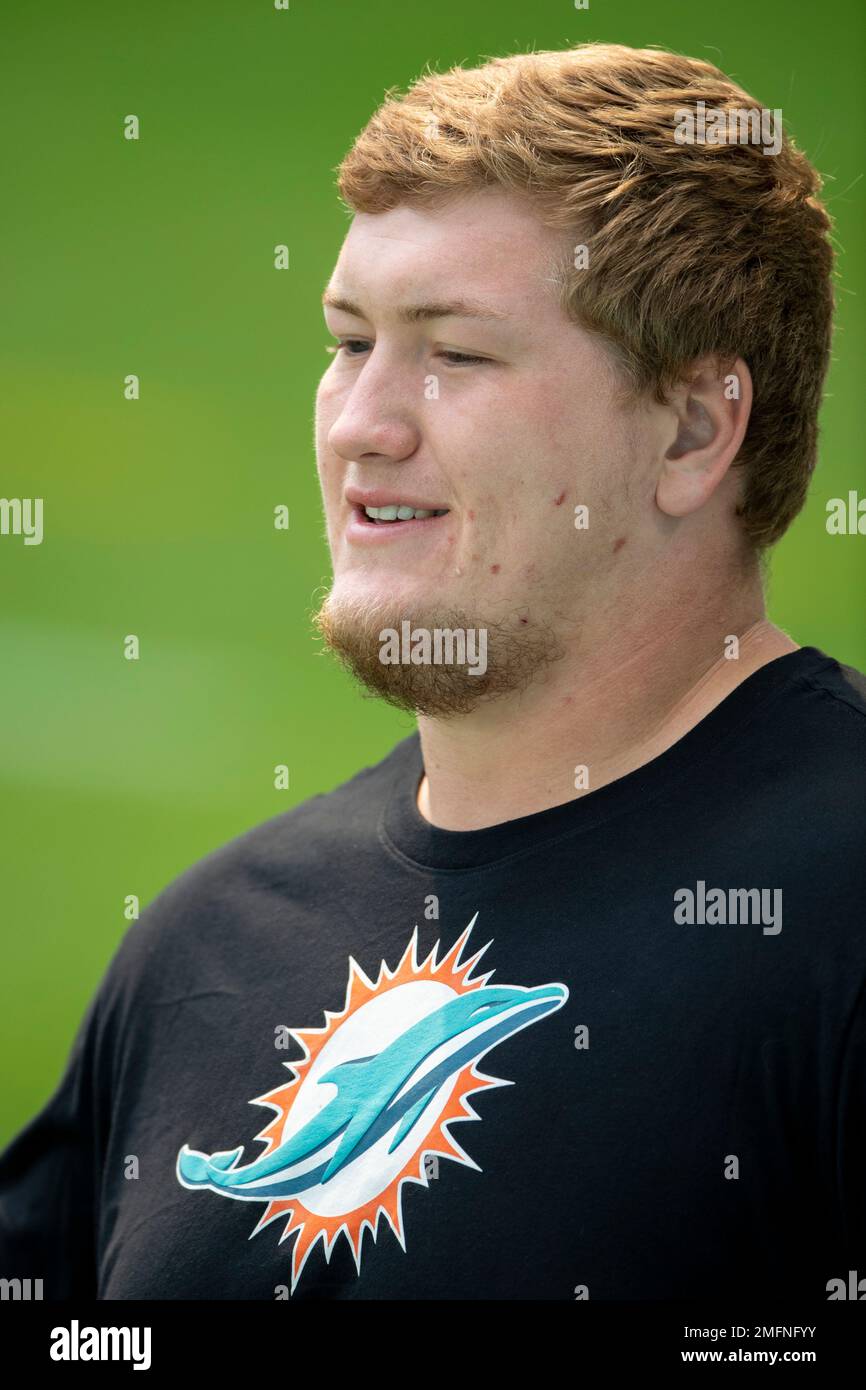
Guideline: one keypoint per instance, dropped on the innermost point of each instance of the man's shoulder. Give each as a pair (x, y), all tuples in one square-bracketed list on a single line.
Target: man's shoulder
[(843, 685), (808, 770), (313, 830), (820, 719), (825, 733), (293, 854), (317, 829)]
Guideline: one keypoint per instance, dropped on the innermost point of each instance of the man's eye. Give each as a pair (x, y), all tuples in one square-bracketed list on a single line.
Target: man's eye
[(454, 359), (344, 344), (461, 359)]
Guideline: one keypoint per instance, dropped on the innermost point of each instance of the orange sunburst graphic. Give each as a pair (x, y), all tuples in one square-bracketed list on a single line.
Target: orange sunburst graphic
[(313, 1226), (375, 1094)]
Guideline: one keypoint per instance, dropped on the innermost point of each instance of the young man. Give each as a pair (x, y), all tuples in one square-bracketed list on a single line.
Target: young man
[(567, 992)]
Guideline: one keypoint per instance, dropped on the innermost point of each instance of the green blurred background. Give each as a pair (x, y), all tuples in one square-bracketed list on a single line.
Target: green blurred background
[(156, 257)]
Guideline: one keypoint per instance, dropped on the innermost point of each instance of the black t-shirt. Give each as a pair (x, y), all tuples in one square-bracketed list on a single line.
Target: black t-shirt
[(615, 1049)]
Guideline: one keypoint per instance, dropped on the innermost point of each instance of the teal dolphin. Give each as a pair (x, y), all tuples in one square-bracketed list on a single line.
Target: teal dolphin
[(377, 1094)]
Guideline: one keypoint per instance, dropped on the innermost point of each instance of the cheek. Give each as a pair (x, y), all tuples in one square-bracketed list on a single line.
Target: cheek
[(329, 399), (576, 428), (323, 411), (327, 411), (588, 457), (552, 430)]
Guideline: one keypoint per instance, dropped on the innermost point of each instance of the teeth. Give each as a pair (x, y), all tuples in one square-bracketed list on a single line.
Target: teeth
[(395, 512)]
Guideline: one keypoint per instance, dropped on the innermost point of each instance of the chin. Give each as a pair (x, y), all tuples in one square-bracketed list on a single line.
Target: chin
[(351, 622)]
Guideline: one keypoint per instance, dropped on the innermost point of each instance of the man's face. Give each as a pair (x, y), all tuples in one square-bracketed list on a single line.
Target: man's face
[(506, 447)]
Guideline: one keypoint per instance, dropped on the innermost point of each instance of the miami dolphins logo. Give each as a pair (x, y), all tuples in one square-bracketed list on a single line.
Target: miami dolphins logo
[(378, 1089)]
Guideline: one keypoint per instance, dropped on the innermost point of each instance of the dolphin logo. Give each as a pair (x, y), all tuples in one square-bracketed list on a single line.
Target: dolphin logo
[(385, 1079)]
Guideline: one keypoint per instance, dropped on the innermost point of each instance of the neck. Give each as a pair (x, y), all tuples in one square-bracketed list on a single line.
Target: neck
[(617, 701)]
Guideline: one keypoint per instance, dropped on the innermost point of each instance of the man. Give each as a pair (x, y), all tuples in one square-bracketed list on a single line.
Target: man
[(565, 998)]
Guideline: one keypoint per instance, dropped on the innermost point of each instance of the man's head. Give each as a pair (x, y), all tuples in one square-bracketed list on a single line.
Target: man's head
[(652, 320)]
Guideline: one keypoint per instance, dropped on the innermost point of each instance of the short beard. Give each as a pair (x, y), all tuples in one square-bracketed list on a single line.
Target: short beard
[(517, 652)]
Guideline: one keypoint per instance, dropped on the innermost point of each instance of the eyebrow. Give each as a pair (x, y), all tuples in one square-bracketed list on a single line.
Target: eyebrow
[(420, 313)]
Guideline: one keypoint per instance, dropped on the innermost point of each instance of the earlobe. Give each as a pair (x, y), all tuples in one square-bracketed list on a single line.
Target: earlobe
[(681, 491)]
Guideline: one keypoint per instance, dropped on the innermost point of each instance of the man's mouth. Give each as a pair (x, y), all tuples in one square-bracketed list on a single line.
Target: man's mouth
[(393, 513), (377, 511)]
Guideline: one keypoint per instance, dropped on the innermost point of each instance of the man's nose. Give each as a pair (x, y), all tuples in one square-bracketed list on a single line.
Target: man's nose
[(378, 417)]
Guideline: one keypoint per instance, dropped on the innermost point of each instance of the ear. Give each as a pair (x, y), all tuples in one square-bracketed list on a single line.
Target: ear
[(708, 417)]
